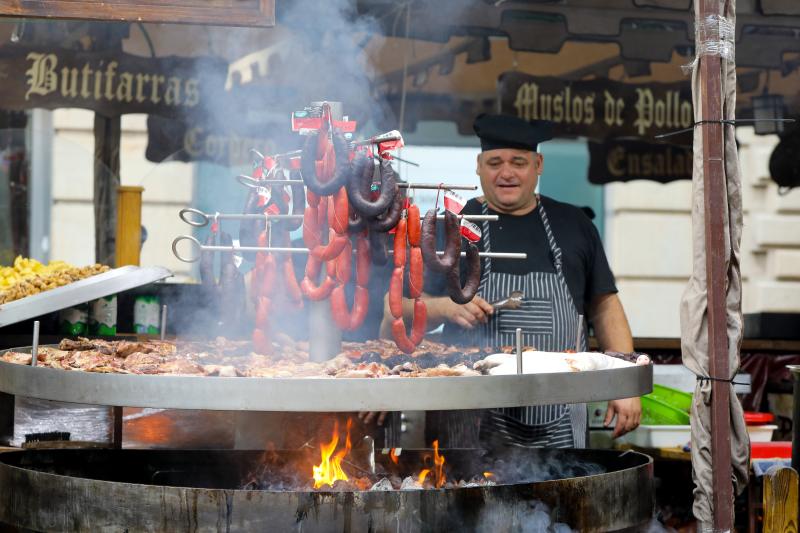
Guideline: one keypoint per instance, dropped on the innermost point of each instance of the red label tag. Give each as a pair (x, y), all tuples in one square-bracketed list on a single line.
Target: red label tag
[(470, 231), (264, 196), (453, 202), (273, 209)]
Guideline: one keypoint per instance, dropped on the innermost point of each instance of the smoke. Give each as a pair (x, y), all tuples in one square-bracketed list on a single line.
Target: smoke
[(535, 517)]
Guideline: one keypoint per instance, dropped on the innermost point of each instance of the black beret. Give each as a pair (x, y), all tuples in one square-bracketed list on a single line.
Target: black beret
[(508, 131)]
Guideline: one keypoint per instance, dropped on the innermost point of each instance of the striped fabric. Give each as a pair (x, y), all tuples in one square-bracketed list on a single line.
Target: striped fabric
[(549, 321)]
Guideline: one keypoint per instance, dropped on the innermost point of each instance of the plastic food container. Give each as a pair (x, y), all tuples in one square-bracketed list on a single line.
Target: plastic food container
[(771, 450), (655, 412), (672, 397), (752, 418), (761, 433), (646, 436)]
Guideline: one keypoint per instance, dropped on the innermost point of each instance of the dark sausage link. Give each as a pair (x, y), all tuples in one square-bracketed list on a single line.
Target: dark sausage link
[(465, 295), (356, 224), (359, 187), (452, 249), (377, 247), (386, 222), (309, 169)]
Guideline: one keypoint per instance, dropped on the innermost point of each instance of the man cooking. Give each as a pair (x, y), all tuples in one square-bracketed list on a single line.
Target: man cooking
[(566, 274)]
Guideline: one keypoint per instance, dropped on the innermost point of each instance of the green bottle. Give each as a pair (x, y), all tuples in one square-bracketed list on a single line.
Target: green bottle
[(103, 316)]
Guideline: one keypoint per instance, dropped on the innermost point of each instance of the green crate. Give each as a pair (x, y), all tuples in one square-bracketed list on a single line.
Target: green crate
[(674, 398), (657, 413)]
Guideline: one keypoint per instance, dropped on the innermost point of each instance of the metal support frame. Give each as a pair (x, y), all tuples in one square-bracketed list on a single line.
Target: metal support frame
[(714, 195)]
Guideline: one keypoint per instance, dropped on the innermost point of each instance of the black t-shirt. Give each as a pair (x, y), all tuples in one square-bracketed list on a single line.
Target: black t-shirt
[(584, 261)]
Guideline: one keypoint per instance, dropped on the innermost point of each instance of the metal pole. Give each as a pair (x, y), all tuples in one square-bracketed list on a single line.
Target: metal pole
[(163, 327), (519, 350), (35, 344), (714, 194), (579, 334)]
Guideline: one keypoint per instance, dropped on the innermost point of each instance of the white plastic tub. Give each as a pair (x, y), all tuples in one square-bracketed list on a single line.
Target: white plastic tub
[(659, 436), (761, 433)]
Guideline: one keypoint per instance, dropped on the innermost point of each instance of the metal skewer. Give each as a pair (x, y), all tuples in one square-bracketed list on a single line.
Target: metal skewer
[(435, 186), (298, 250), (35, 343), (579, 335), (519, 350), (198, 219)]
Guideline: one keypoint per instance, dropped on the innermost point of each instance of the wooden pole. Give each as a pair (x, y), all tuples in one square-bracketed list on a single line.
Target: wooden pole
[(129, 225), (715, 193), (107, 133)]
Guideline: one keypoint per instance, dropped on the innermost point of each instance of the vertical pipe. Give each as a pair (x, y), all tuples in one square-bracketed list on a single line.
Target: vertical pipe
[(35, 344), (163, 326), (579, 334), (714, 195), (519, 350)]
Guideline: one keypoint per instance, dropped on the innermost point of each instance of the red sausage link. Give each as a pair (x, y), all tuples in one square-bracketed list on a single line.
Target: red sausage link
[(400, 243), (415, 273), (396, 293), (339, 212), (341, 315), (309, 287), (291, 286), (344, 264), (315, 293), (262, 313), (360, 308), (312, 197), (414, 225), (268, 277), (420, 321), (311, 229), (400, 338), (363, 261), (331, 250)]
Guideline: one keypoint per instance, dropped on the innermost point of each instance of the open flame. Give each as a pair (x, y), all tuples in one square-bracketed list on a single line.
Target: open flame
[(438, 462), (330, 468), (488, 475), (393, 456), (439, 477)]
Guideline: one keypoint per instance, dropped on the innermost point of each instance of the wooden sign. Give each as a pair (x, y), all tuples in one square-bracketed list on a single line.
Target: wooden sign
[(259, 13), (110, 84), (600, 108), (623, 160)]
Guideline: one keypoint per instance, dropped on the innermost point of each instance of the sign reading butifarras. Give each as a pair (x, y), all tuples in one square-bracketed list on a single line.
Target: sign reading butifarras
[(111, 85), (600, 108)]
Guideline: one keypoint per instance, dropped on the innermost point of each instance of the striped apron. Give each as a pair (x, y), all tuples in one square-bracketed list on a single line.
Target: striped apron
[(549, 321)]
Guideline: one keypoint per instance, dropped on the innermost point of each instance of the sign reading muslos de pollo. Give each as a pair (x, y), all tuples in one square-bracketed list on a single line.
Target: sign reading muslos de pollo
[(598, 108), (109, 84)]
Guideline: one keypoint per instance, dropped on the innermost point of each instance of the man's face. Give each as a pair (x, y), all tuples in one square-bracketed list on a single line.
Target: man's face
[(509, 177)]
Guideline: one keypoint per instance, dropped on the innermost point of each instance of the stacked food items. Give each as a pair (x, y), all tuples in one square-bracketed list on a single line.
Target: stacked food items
[(227, 358), (27, 277)]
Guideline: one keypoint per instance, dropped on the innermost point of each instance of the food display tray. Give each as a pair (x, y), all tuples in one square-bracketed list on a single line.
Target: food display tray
[(322, 394), (84, 290)]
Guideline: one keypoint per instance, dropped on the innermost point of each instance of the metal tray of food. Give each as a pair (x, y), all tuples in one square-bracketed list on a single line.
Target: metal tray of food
[(323, 394), (84, 290)]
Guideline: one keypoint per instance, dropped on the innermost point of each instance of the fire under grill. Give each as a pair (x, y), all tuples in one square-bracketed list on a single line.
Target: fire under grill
[(171, 491)]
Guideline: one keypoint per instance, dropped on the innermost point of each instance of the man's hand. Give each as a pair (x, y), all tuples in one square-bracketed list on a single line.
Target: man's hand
[(467, 315), (368, 416), (628, 412)]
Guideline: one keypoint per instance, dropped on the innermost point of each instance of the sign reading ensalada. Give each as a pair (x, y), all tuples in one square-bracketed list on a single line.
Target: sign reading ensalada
[(598, 108), (109, 84), (625, 160)]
